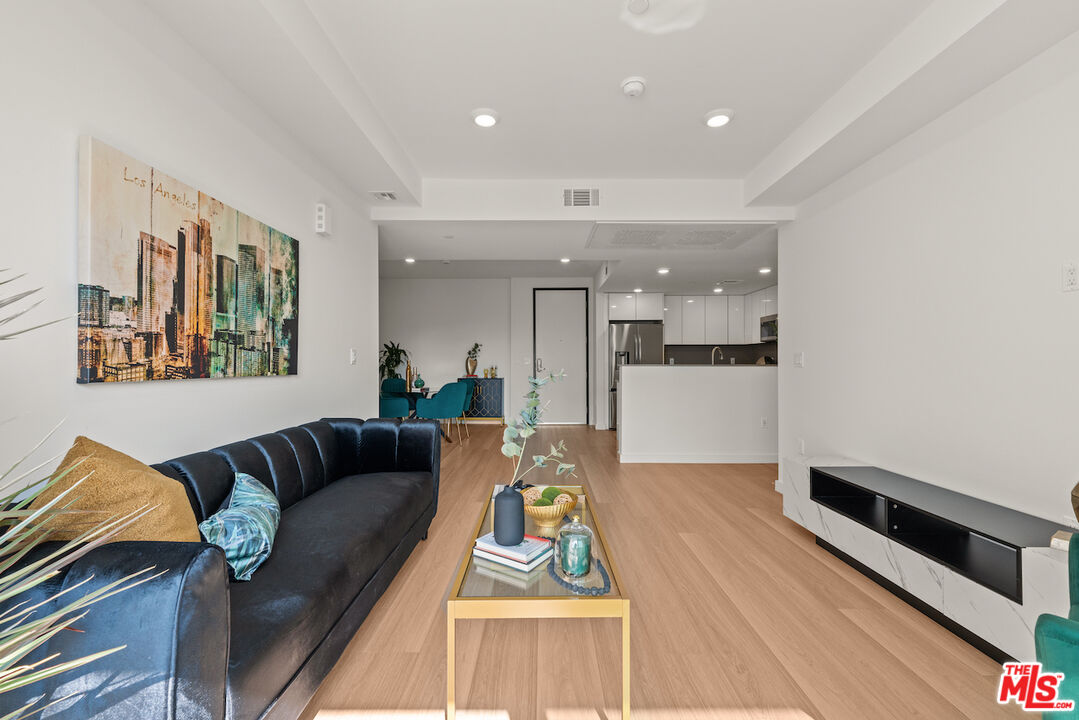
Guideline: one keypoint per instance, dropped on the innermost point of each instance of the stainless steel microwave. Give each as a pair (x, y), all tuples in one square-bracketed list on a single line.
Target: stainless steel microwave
[(770, 328)]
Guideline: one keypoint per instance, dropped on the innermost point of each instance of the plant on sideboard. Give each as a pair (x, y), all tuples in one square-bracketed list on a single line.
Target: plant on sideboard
[(25, 624), (390, 357), (470, 362), (516, 435)]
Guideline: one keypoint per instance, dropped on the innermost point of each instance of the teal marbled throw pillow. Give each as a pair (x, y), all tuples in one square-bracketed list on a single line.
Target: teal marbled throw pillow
[(245, 526)]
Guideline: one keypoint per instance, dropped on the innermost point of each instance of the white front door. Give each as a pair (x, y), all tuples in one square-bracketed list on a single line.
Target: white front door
[(561, 343)]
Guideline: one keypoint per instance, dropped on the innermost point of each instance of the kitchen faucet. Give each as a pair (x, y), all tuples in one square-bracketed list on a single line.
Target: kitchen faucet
[(717, 347)]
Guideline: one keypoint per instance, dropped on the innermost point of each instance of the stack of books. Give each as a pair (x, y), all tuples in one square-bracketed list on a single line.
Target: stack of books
[(524, 557)]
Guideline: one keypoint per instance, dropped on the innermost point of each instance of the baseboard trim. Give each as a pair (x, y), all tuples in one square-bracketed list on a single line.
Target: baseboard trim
[(989, 649), (699, 458)]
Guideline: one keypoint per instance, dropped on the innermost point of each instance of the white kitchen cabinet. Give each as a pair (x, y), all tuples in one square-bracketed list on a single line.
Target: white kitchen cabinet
[(622, 306), (715, 320), (649, 306), (693, 320), (770, 301), (753, 317), (672, 320), (736, 320)]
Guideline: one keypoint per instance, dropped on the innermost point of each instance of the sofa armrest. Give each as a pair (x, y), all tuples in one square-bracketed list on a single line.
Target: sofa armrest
[(175, 628), (388, 445)]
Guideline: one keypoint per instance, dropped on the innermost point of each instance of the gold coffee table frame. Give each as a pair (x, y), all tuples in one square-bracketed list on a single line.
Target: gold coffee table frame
[(472, 607)]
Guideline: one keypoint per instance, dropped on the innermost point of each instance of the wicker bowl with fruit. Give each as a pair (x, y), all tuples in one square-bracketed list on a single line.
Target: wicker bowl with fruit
[(548, 505)]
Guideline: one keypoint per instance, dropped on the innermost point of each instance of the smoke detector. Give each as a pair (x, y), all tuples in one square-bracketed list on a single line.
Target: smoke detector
[(633, 86)]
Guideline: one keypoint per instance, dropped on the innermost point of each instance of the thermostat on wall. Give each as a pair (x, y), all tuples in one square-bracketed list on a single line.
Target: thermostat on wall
[(322, 219)]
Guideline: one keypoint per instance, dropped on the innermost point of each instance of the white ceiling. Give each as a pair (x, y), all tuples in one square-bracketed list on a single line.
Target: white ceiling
[(377, 95), (553, 72), (533, 249), (480, 269)]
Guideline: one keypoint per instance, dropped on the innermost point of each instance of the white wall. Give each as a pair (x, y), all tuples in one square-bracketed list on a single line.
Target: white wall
[(68, 70), (928, 302), (438, 320), (697, 414)]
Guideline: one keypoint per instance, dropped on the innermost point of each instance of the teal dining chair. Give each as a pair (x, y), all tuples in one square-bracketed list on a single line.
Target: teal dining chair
[(393, 407), (392, 402), (393, 385), (470, 391), (445, 405)]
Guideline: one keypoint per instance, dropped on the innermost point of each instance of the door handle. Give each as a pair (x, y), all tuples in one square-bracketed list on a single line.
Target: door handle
[(539, 366)]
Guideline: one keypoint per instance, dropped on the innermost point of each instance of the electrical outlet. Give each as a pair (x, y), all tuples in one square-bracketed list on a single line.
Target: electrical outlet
[(1070, 277), (764, 422)]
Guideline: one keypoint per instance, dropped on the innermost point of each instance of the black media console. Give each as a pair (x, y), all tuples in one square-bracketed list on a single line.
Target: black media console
[(977, 539)]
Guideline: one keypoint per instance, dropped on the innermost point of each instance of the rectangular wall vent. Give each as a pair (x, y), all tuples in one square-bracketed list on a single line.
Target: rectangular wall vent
[(383, 195), (580, 197)]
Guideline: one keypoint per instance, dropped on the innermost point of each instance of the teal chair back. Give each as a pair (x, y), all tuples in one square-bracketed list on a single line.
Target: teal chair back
[(393, 407), (1056, 639), (445, 404), (470, 392), (393, 385)]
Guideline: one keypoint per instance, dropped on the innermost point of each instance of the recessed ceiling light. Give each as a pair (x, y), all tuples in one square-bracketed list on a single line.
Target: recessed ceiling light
[(565, 260), (485, 117), (717, 289), (664, 309), (637, 290), (765, 270), (410, 260), (614, 307), (663, 270), (718, 118), (689, 301)]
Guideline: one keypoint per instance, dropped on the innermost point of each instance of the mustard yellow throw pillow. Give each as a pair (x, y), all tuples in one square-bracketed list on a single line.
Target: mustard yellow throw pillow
[(119, 485)]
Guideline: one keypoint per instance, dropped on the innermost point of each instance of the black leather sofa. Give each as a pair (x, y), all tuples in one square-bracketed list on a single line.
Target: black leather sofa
[(356, 497)]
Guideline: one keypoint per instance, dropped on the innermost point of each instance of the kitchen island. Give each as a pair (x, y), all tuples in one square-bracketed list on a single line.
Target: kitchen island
[(698, 414)]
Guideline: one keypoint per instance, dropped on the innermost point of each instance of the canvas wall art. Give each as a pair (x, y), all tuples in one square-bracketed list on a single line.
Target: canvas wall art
[(175, 284)]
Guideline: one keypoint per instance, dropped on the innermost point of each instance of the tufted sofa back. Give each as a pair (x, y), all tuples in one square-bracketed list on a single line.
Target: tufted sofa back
[(293, 463), (301, 460)]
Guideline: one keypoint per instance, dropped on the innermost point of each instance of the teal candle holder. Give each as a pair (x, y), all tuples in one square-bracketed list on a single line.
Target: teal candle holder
[(573, 549)]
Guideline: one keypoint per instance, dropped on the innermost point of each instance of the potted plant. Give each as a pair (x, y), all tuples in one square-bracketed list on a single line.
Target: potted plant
[(470, 363), (390, 358), (26, 625), (509, 504)]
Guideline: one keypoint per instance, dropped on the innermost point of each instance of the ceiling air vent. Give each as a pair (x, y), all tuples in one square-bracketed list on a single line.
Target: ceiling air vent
[(580, 197), (384, 195)]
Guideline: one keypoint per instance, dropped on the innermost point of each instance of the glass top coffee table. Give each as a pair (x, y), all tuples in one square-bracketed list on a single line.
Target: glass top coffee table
[(481, 591)]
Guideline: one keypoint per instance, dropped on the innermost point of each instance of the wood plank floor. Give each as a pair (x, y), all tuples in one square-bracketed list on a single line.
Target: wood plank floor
[(736, 614)]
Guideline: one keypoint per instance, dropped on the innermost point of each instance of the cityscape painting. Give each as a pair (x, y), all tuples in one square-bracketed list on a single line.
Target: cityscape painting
[(175, 284)]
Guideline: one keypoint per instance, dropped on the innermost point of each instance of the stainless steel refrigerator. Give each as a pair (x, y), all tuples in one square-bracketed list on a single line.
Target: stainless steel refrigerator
[(632, 343)]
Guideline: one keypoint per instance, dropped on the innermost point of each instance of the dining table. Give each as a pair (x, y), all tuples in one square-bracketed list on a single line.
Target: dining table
[(412, 396)]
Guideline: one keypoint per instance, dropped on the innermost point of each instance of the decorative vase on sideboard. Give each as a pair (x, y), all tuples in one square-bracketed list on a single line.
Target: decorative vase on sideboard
[(470, 366)]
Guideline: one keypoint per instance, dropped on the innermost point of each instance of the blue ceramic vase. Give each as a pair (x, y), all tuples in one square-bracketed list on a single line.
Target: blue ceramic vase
[(509, 517)]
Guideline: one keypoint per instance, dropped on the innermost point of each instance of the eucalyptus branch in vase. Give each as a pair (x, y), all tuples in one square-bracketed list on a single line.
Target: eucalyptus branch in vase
[(516, 435)]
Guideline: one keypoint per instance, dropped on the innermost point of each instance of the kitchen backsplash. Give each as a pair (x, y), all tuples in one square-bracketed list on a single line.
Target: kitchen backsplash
[(702, 354)]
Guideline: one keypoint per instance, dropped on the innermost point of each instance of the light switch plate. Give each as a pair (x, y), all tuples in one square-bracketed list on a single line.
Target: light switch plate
[(799, 359), (1070, 277), (352, 356)]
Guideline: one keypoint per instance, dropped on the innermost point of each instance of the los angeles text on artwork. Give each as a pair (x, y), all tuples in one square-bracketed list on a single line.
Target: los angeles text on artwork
[(181, 200)]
